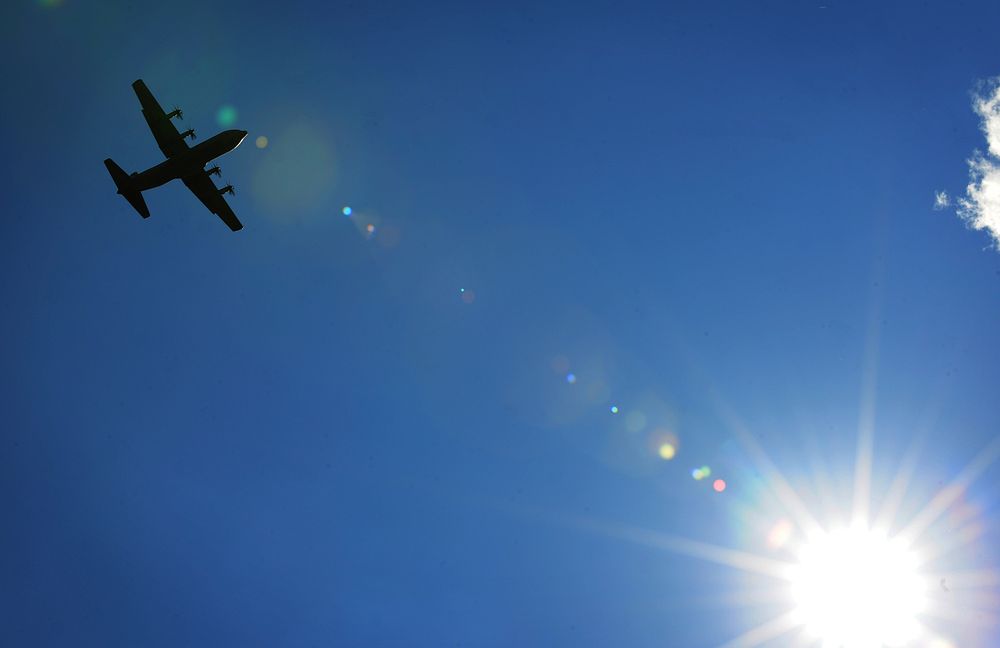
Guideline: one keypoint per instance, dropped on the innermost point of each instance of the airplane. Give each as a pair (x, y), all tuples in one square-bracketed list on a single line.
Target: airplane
[(183, 161)]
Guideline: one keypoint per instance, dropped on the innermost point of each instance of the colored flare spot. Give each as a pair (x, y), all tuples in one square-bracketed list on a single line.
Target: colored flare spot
[(614, 409), (297, 173), (635, 421), (661, 437), (347, 211), (780, 534), (667, 451), (226, 116), (261, 142), (719, 485), (571, 378)]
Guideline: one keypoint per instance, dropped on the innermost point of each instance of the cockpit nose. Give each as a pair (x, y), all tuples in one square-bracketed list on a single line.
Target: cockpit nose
[(243, 136)]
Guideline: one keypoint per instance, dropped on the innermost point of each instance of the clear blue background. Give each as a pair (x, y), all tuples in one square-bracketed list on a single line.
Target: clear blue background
[(298, 435)]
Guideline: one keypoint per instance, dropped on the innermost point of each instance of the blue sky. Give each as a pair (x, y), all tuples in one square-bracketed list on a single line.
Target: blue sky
[(717, 217)]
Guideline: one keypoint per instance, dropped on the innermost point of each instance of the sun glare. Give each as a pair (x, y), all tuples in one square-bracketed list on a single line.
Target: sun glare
[(930, 583), (858, 589)]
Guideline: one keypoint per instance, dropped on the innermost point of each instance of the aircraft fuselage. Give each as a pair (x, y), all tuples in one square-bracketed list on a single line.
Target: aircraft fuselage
[(189, 162)]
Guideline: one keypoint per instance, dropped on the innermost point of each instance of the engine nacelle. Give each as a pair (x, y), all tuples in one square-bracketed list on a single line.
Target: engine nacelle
[(228, 189), (216, 171), (176, 112), (189, 133)]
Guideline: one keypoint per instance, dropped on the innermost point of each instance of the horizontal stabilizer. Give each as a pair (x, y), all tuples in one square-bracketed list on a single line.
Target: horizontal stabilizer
[(133, 196)]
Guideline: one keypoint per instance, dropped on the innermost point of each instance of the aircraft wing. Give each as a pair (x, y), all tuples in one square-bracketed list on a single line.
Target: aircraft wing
[(167, 137), (201, 185)]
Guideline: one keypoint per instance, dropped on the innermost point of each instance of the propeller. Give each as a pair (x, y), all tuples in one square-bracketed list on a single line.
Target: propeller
[(228, 189), (189, 133), (216, 171), (176, 112)]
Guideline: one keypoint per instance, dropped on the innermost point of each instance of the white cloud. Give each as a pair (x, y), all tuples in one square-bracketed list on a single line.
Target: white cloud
[(980, 208), (941, 200)]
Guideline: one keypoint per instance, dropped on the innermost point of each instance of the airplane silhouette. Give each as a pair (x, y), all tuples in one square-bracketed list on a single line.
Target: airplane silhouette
[(183, 161)]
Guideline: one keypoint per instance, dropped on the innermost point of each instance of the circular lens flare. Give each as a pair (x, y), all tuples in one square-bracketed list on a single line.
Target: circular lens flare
[(858, 589), (226, 116)]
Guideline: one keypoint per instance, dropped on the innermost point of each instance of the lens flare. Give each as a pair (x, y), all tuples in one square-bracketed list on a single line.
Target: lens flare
[(261, 142), (663, 443), (614, 409), (635, 421), (780, 534), (226, 116), (293, 180), (347, 211), (719, 485)]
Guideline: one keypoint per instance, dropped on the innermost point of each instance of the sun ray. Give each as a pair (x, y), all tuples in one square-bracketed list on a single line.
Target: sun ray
[(983, 605), (897, 490), (951, 492), (964, 615), (976, 578), (742, 560), (774, 480), (955, 539), (866, 419), (764, 632), (823, 483), (744, 598)]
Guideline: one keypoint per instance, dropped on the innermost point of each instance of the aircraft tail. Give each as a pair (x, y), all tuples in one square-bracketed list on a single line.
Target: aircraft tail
[(133, 196)]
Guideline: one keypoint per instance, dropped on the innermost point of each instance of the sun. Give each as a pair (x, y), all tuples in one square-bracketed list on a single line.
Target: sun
[(831, 585), (857, 588), (900, 574)]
